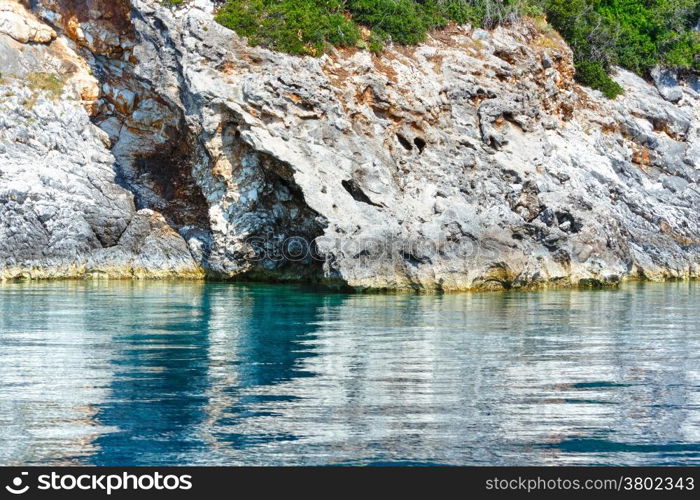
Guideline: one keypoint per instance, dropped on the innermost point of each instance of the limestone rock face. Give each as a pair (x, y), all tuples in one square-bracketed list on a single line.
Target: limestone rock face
[(62, 210), (472, 161), (16, 23)]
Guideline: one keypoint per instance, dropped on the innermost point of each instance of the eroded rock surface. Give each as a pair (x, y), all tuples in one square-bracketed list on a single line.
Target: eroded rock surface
[(63, 212), (472, 161)]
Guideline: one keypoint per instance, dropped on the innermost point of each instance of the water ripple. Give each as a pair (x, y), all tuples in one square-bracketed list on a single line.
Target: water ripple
[(191, 373)]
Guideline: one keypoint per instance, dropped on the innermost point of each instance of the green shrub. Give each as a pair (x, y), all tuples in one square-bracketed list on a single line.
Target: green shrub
[(401, 20), (592, 74), (294, 26), (635, 34), (310, 26)]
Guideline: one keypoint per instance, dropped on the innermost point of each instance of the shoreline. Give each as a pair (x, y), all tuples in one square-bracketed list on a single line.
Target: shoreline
[(332, 286)]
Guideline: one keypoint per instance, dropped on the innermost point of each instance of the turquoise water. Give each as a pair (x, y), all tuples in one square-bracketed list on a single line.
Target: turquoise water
[(182, 373)]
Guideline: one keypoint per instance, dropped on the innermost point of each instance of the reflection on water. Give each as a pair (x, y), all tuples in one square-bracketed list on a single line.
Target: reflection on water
[(173, 373)]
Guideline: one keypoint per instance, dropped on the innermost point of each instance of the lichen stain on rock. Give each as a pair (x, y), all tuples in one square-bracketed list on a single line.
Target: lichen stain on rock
[(168, 172)]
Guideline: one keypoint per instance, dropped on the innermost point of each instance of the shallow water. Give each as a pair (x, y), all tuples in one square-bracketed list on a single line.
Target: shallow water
[(216, 374)]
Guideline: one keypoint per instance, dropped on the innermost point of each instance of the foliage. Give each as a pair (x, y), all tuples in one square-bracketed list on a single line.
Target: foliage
[(635, 34), (592, 74), (294, 26), (310, 26)]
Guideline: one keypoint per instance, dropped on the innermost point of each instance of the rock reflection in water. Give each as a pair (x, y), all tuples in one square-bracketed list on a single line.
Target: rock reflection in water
[(186, 373)]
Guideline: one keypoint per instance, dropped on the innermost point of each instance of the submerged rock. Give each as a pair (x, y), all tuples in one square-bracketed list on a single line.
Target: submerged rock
[(472, 161)]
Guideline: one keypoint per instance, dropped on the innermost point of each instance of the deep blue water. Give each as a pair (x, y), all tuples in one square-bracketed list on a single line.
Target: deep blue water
[(186, 373)]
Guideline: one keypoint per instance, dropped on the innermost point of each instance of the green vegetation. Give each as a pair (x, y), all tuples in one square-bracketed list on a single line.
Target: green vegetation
[(311, 26), (173, 3), (594, 75), (294, 26), (636, 34), (50, 83)]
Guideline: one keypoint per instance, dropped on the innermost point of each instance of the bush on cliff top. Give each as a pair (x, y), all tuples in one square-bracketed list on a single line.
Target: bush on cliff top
[(635, 34), (294, 26), (311, 26)]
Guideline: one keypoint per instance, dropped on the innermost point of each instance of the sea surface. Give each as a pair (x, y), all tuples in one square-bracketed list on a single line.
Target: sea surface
[(229, 374)]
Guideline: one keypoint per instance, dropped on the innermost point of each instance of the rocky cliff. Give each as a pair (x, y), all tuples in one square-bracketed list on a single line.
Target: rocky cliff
[(139, 140)]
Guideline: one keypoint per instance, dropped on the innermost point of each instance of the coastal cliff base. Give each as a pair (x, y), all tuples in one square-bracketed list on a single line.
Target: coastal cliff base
[(148, 142)]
